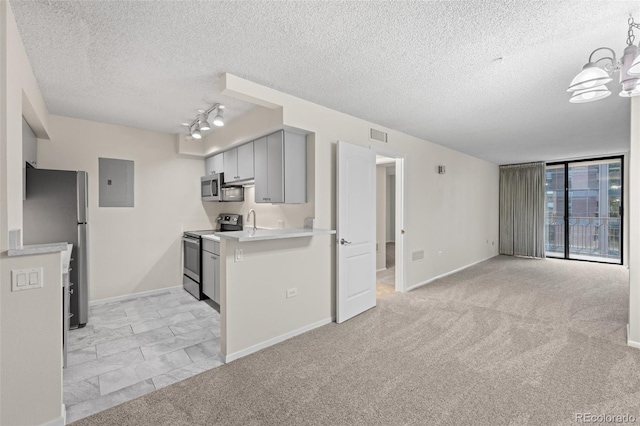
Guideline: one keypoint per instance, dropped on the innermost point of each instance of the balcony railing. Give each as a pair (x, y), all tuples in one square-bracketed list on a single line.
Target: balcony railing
[(589, 237)]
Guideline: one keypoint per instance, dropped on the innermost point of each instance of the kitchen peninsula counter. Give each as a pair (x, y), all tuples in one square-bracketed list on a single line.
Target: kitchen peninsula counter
[(248, 234)]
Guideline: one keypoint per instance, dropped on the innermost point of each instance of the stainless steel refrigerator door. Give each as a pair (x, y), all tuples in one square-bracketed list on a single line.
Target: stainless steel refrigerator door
[(82, 285), (83, 197)]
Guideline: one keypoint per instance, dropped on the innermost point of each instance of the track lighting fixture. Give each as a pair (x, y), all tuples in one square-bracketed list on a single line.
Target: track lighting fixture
[(219, 120), (201, 123), (590, 84)]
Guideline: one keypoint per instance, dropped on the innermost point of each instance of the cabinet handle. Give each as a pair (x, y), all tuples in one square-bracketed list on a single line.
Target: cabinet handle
[(71, 291)]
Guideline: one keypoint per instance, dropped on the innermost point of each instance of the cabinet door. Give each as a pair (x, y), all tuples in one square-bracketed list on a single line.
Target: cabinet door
[(295, 168), (261, 167), (216, 278), (275, 167), (209, 168), (208, 274), (218, 163), (245, 161), (231, 165)]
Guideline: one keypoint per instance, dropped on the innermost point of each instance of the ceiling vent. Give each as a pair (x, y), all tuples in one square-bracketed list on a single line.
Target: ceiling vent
[(377, 135)]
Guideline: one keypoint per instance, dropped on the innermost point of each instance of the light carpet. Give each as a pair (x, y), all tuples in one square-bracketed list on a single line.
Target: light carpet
[(506, 342)]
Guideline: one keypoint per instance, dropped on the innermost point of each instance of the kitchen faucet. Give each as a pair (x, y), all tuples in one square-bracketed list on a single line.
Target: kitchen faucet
[(254, 218)]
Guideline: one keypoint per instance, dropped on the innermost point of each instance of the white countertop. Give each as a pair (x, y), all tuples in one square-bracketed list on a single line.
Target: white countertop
[(268, 234), (37, 249)]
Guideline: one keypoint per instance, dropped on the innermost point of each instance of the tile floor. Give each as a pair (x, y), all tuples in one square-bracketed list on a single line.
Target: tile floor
[(135, 346)]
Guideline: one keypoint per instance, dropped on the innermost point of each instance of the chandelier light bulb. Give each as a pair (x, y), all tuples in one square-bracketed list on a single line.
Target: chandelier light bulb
[(590, 95)]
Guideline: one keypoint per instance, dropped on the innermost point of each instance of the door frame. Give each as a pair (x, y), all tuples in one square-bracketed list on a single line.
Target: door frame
[(400, 243), (566, 163)]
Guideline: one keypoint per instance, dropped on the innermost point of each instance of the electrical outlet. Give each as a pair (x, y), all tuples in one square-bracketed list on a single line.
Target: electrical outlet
[(280, 223), (239, 255), (292, 292)]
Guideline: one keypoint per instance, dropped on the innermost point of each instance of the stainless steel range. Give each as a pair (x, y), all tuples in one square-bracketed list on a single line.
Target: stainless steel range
[(192, 243)]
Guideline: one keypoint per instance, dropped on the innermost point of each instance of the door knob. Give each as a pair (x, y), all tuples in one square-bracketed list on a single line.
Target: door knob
[(343, 241)]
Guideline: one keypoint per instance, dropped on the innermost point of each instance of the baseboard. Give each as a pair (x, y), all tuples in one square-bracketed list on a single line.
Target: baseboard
[(60, 421), (382, 269), (275, 340), (413, 287), (131, 296), (632, 343)]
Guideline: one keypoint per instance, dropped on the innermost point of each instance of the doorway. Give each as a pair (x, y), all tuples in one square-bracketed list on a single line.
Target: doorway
[(386, 212), (584, 209)]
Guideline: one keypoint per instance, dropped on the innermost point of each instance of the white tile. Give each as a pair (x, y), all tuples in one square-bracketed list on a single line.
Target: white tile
[(185, 372), (92, 406), (204, 350), (75, 393), (200, 323), (188, 307), (83, 340), (141, 310), (81, 355), (160, 322), (99, 366), (136, 340), (171, 344), (201, 313), (127, 376), (113, 323)]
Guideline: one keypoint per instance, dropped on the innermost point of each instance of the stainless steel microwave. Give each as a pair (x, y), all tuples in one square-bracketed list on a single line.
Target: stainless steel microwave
[(212, 188)]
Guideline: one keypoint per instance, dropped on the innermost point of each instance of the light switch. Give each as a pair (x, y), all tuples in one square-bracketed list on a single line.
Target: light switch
[(22, 280), (26, 279)]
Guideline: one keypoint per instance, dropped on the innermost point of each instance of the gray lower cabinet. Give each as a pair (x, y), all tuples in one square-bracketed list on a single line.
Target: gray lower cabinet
[(281, 168), (211, 269)]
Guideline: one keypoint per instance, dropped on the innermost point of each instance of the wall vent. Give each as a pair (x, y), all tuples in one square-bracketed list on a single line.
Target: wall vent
[(377, 135), (417, 255)]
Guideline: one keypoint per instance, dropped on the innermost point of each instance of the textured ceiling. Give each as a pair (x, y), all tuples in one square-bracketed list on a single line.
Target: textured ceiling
[(429, 69)]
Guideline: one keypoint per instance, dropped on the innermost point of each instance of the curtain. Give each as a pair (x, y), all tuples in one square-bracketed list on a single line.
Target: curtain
[(522, 194)]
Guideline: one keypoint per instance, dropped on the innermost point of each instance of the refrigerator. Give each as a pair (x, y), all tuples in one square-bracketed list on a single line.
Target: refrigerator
[(56, 210)]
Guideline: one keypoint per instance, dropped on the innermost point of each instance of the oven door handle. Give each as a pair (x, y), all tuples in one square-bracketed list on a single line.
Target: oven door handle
[(191, 240)]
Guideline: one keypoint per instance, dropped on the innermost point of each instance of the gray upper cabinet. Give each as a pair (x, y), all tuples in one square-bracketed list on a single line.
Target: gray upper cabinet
[(231, 165), (245, 161), (281, 168), (238, 163), (214, 164)]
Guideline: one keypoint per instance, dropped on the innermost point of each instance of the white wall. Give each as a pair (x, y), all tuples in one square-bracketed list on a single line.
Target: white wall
[(381, 217), (455, 214), (254, 307), (30, 321), (132, 249)]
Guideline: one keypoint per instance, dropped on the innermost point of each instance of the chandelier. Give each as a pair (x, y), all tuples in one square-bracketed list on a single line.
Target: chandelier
[(591, 83)]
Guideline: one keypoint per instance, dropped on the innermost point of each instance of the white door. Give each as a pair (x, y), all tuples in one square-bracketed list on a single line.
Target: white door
[(356, 187)]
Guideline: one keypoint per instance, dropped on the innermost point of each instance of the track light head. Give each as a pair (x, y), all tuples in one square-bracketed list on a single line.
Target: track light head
[(203, 121), (196, 132), (219, 119)]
